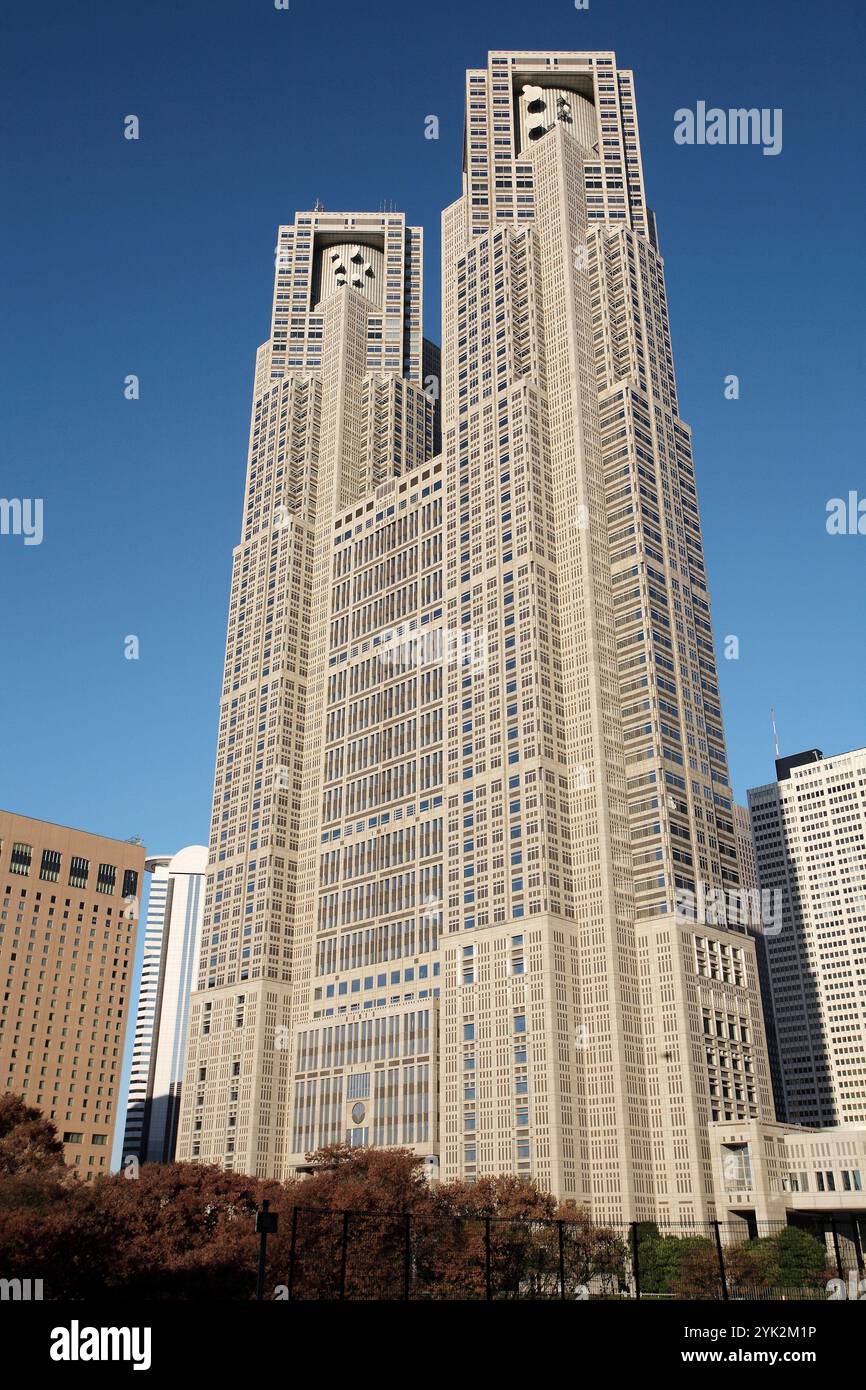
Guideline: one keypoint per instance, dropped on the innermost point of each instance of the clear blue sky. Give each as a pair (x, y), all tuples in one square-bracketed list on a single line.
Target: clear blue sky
[(156, 258)]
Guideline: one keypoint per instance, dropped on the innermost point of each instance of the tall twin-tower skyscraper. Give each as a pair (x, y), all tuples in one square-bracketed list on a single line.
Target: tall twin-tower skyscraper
[(470, 743)]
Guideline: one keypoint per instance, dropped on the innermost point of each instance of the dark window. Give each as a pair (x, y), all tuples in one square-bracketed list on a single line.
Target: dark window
[(21, 857), (78, 871), (105, 879), (50, 870), (130, 883)]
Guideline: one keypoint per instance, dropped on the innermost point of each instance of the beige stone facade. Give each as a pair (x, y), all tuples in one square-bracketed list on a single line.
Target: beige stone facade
[(773, 1172), (493, 687)]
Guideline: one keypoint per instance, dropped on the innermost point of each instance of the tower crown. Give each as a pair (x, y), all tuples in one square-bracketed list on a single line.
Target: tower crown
[(375, 254)]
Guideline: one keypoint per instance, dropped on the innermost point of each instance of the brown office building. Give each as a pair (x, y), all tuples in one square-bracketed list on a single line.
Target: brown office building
[(68, 921)]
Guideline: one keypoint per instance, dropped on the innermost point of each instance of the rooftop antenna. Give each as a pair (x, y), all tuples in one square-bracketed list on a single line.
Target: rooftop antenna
[(318, 206), (775, 734)]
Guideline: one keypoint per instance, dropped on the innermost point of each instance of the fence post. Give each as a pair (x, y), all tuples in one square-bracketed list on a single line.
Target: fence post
[(343, 1251), (266, 1224), (407, 1259), (836, 1250), (858, 1244), (561, 1261), (724, 1277), (292, 1251), (488, 1279), (635, 1261)]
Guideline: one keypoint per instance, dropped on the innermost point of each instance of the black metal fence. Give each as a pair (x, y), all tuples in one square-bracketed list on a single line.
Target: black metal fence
[(370, 1255)]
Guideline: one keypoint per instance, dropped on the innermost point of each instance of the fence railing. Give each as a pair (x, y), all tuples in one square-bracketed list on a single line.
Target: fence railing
[(367, 1255)]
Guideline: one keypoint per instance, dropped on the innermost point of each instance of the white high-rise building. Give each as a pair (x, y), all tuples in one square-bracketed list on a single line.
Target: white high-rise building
[(809, 830), (471, 748), (172, 941)]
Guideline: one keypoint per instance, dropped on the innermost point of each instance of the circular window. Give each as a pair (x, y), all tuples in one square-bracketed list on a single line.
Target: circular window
[(358, 1112)]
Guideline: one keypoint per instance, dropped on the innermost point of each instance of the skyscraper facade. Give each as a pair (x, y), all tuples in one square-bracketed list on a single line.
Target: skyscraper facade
[(339, 411), (68, 922), (491, 695), (757, 928), (172, 942), (810, 840)]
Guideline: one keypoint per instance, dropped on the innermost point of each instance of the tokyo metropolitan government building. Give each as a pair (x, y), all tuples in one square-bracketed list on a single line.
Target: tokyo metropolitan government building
[(470, 740)]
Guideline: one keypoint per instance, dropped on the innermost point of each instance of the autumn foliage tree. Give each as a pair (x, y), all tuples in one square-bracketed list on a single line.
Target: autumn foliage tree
[(28, 1142), (364, 1224), (379, 1189), (369, 1225)]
